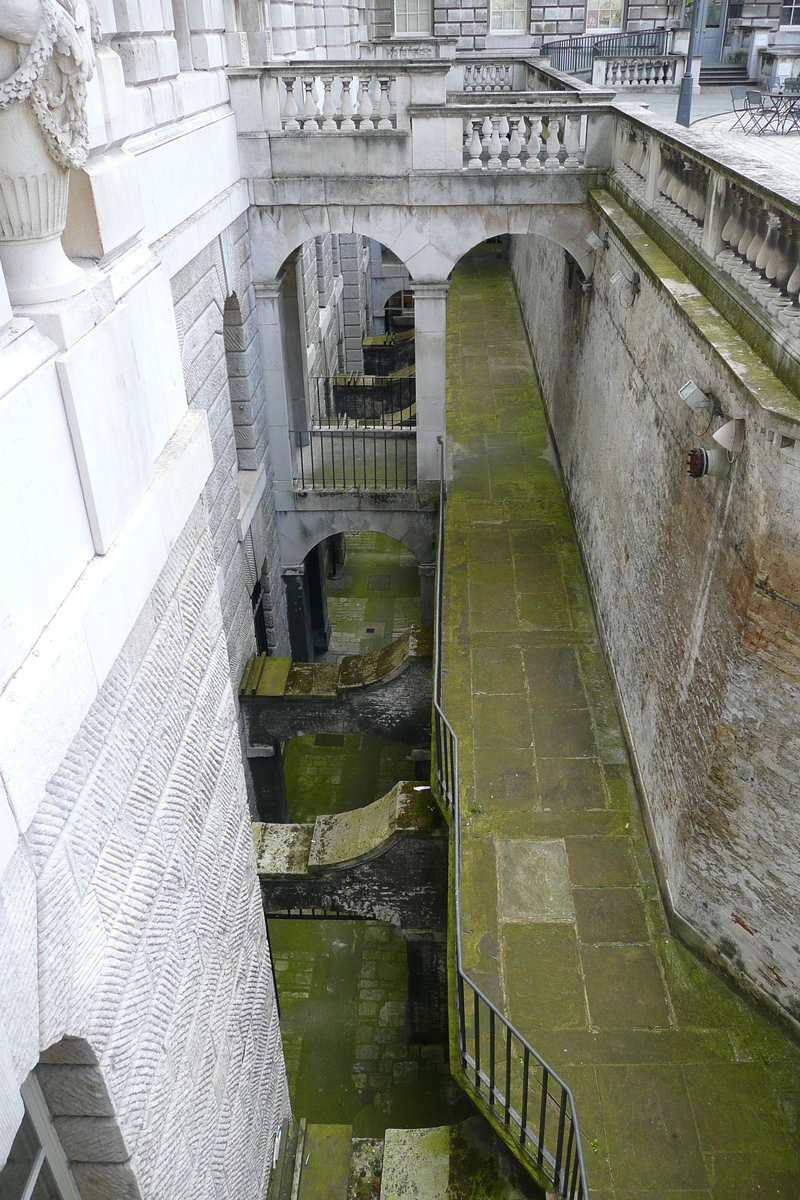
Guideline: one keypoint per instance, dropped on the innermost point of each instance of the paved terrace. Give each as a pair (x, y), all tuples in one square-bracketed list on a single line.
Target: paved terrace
[(683, 1090)]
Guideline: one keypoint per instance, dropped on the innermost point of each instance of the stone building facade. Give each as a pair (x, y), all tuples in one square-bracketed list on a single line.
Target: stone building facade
[(140, 517)]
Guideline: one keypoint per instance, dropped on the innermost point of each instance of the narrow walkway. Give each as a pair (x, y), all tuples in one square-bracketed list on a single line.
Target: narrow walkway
[(682, 1089)]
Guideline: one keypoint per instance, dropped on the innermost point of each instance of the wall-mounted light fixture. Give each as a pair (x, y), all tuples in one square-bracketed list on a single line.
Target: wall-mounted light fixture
[(695, 399), (717, 461), (596, 243), (633, 284)]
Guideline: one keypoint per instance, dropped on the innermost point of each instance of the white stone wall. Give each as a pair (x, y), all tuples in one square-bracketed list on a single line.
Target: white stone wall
[(131, 910), (130, 916), (200, 291)]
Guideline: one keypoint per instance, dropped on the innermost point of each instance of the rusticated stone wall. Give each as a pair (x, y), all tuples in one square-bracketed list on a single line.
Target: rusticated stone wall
[(220, 350), (131, 910), (697, 587)]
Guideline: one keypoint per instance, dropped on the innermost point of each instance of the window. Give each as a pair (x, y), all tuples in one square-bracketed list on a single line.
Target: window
[(509, 16), (36, 1168), (412, 16), (603, 14), (791, 13)]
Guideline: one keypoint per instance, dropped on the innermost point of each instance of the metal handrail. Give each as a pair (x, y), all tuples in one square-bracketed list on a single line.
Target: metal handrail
[(575, 54), (525, 1118), (354, 458)]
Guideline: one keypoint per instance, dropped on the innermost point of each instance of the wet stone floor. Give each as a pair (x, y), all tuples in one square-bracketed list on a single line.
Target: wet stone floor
[(343, 985), (683, 1090), (343, 989), (337, 772), (375, 597)]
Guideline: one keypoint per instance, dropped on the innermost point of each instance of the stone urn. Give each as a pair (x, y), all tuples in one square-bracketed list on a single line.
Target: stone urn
[(46, 57)]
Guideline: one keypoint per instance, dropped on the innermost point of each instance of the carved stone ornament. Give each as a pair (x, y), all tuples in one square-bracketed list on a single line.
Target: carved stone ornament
[(46, 60)]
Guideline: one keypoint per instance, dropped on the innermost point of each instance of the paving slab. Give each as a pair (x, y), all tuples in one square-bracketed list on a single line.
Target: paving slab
[(684, 1090)]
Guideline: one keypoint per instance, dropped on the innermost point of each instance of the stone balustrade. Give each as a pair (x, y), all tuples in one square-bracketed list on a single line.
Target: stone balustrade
[(733, 224), (412, 115), (529, 138), (332, 101), (624, 72)]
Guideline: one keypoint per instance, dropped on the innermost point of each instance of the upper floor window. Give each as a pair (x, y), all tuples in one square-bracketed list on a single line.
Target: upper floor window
[(603, 14), (791, 12), (412, 16), (509, 16)]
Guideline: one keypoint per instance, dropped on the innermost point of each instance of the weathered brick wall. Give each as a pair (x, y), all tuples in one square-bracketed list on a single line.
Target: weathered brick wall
[(134, 901), (238, 431), (697, 585)]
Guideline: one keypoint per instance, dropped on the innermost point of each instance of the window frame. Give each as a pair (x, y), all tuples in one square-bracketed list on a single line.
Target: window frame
[(418, 33), (50, 1149), (516, 30), (601, 30)]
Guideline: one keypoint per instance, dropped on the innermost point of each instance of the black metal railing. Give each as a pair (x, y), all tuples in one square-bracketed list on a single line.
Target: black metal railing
[(514, 1086), (383, 401), (576, 55), (345, 457)]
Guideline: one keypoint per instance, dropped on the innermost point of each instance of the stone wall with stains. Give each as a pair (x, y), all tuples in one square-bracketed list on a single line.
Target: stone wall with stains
[(697, 589)]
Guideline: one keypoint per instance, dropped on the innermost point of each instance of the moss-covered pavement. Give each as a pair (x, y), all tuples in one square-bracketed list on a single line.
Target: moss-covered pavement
[(683, 1089)]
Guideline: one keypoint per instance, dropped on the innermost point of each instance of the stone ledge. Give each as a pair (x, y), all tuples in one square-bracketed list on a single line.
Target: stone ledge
[(736, 357)]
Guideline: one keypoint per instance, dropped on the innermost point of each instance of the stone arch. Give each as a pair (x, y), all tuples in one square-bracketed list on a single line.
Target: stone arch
[(300, 532), (429, 241)]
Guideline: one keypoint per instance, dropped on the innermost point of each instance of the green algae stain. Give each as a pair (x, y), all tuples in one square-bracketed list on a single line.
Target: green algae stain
[(343, 991)]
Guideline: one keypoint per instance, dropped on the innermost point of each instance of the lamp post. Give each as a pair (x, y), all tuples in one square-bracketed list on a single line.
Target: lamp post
[(685, 97)]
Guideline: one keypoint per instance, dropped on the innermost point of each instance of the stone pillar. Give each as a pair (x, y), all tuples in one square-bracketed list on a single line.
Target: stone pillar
[(269, 782), (318, 598), (426, 956), (430, 342), (298, 612), (427, 592), (270, 325)]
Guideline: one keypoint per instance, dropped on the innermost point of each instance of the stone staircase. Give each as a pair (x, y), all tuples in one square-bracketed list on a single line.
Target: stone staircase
[(459, 1162), (722, 75)]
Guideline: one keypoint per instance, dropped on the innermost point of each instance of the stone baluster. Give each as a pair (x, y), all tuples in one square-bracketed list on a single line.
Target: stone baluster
[(507, 82), (759, 237), (384, 108), (476, 146), (752, 214), (290, 109), (777, 271), (699, 198), (487, 131), (504, 131), (495, 146), (328, 106), (768, 245), (793, 282), (347, 104), (553, 144), (310, 124), (535, 144), (514, 146), (733, 226), (522, 134), (572, 140), (365, 104)]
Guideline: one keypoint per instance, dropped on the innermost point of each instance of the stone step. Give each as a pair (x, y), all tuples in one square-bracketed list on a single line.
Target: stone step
[(457, 1162), (322, 1165), (722, 75)]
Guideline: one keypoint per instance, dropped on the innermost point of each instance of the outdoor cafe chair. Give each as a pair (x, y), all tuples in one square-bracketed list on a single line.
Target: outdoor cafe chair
[(741, 108)]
